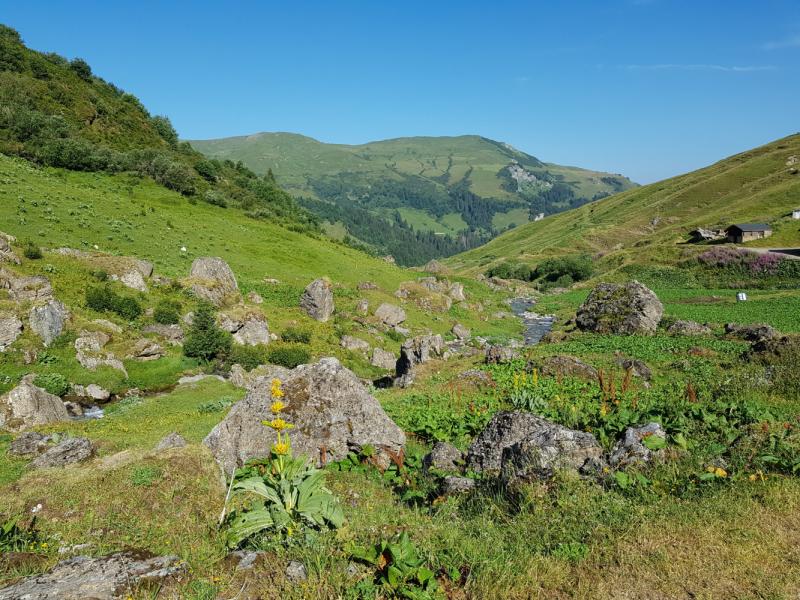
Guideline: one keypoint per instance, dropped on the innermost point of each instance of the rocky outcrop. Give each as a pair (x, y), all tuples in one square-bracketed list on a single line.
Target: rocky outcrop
[(754, 332), (317, 300), (109, 577), (362, 306), (349, 342), (31, 444), (424, 298), (456, 292), (108, 325), (498, 354), (637, 367), (145, 267), (213, 280), (514, 442), (630, 449), (254, 331), (255, 297), (27, 405), (5, 278), (391, 315), (47, 321), (145, 350), (688, 328), (330, 410), (247, 379), (437, 268), (569, 366), (91, 340), (443, 457), (417, 351), (622, 309), (7, 254), (461, 332), (383, 359), (388, 259), (171, 440), (95, 392), (135, 281), (67, 452), (772, 348), (94, 361), (171, 333), (475, 376), (367, 285), (33, 287), (10, 330), (451, 484)]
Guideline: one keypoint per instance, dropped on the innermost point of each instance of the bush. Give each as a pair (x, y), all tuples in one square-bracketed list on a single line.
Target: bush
[(100, 274), (31, 251), (509, 270), (289, 355), (206, 341), (53, 383), (249, 357), (577, 267), (395, 335), (214, 198), (103, 299), (564, 281), (165, 129), (293, 334), (167, 312), (127, 307), (82, 69)]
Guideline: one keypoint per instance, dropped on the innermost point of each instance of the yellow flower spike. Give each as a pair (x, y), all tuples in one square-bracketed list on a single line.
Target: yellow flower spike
[(277, 407), (280, 449), (278, 424)]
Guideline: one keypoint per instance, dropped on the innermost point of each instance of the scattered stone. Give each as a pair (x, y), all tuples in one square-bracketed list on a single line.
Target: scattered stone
[(480, 277), (254, 331), (475, 374), (95, 392), (171, 440), (472, 351), (388, 259), (91, 340), (453, 484), (443, 457), (566, 365), (461, 332), (353, 343), (47, 321), (329, 407), (255, 297), (425, 299), (754, 332), (362, 306), (456, 292), (383, 359), (172, 333), (502, 315), (688, 328), (499, 354), (558, 290), (417, 351), (317, 301), (92, 362), (188, 318), (149, 312), (774, 347), (272, 281), (296, 572), (515, 441), (437, 268), (27, 405), (145, 267), (108, 325), (431, 283), (243, 560), (108, 577), (135, 281), (367, 285), (7, 254), (639, 369), (391, 315), (630, 449), (10, 330), (30, 444), (622, 309), (403, 330), (67, 452), (145, 350), (33, 287), (161, 280)]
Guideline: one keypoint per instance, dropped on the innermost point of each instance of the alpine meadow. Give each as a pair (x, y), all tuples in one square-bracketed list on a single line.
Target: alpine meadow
[(424, 368)]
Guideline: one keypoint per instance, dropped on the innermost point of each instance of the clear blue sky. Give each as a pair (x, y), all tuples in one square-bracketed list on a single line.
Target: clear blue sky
[(645, 88)]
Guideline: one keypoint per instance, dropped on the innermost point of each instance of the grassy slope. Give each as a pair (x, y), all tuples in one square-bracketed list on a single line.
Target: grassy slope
[(754, 186)]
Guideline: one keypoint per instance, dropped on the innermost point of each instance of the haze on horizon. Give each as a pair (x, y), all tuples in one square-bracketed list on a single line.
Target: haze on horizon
[(646, 88)]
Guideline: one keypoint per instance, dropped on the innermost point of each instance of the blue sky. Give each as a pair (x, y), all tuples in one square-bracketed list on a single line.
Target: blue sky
[(645, 88)]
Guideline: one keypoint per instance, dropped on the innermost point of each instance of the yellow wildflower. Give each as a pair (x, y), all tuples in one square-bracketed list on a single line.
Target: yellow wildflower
[(280, 449), (277, 407), (720, 473), (279, 425)]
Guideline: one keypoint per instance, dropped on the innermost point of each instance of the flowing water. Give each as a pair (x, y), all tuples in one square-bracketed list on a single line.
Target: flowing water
[(535, 325)]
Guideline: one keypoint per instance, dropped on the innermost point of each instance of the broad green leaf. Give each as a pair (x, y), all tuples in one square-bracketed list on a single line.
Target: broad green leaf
[(654, 442), (680, 441), (249, 524), (623, 479)]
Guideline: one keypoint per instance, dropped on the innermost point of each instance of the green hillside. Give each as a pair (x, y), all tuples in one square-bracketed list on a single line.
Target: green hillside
[(651, 224)]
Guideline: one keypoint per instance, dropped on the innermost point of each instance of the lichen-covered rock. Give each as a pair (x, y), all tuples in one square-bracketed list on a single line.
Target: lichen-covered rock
[(91, 340), (27, 405), (638, 368), (456, 292), (460, 331), (32, 287), (145, 350), (172, 333), (383, 359), (47, 321), (432, 284), (255, 297), (67, 452), (451, 484), (213, 280), (254, 331), (7, 254), (417, 351), (622, 309), (317, 300), (566, 365), (362, 306), (475, 376), (391, 315), (10, 330), (423, 298), (171, 440), (437, 268), (443, 457), (30, 444), (95, 392), (367, 285), (247, 379), (109, 577), (630, 449), (145, 267), (771, 348), (498, 354), (108, 325), (92, 361), (754, 332), (515, 441), (135, 281), (330, 410), (349, 342), (680, 327)]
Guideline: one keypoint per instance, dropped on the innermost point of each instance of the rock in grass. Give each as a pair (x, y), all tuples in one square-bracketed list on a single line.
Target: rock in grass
[(254, 331), (349, 342), (255, 297), (418, 351), (47, 321), (33, 287), (171, 440), (30, 444), (437, 268), (498, 354), (460, 331), (7, 254), (443, 457), (630, 450), (680, 327), (362, 306), (754, 332), (145, 267), (68, 452), (383, 359), (135, 281), (390, 314), (95, 392), (566, 365), (10, 330), (638, 368), (214, 280), (145, 350), (621, 309), (172, 333), (453, 484), (367, 285), (317, 300), (27, 405), (296, 572)]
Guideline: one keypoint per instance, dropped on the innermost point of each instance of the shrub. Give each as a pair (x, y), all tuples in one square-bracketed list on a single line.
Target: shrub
[(82, 69), (100, 299), (395, 335), (207, 170), (53, 383), (288, 355), (577, 267), (509, 270), (100, 274), (205, 408), (564, 281), (293, 334), (165, 129), (248, 356), (214, 198), (31, 251), (206, 341), (167, 312), (127, 307)]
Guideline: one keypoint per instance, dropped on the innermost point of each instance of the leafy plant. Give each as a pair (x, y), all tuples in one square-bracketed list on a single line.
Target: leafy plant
[(206, 408), (287, 355), (395, 335), (206, 340), (13, 538), (167, 312), (52, 383), (144, 475), (31, 251), (293, 334)]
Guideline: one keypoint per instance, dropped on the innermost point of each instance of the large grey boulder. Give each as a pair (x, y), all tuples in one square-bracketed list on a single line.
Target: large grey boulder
[(456, 292), (568, 366), (417, 351), (630, 449), (27, 405), (146, 350), (7, 254), (637, 367), (30, 444), (10, 330), (317, 300), (330, 411), (367, 285), (390, 314), (109, 577), (95, 392), (362, 306), (515, 441), (172, 333), (443, 457), (425, 298), (91, 340), (93, 361), (680, 327), (6, 276), (214, 280), (623, 309), (754, 332), (383, 359), (498, 354), (460, 331), (145, 267), (47, 321), (135, 281), (67, 452), (254, 331), (255, 297), (348, 342), (32, 287)]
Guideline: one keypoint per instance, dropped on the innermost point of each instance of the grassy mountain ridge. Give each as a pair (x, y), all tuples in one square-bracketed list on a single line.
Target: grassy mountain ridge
[(652, 222)]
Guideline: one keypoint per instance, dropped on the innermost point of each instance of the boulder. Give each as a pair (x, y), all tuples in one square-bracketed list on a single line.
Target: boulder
[(330, 410), (226, 323), (95, 392), (443, 457), (10, 330), (296, 571), (480, 277), (214, 269), (241, 378), (353, 343), (431, 283), (317, 300), (417, 351), (622, 309), (67, 452), (630, 449), (680, 327), (391, 315), (254, 331), (172, 333), (456, 292), (109, 577), (461, 332), (424, 298), (383, 359), (6, 275), (30, 444), (27, 405), (453, 484), (91, 340), (499, 354), (754, 332), (47, 321), (475, 376), (639, 369), (362, 306), (515, 441), (171, 440), (145, 267), (388, 259), (7, 254), (33, 287), (437, 268), (93, 361), (135, 281), (566, 365), (255, 297), (108, 325), (272, 281), (145, 350), (367, 285), (772, 348)]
